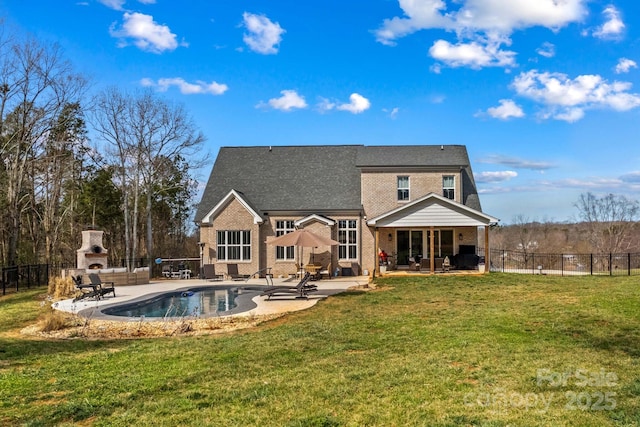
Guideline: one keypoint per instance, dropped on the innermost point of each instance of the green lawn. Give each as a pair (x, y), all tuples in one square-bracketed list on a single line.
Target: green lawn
[(492, 350)]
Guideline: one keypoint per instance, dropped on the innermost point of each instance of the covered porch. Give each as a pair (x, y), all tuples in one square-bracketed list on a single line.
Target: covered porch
[(430, 235)]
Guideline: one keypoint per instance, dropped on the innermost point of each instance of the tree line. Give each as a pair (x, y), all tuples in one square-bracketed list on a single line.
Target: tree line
[(606, 224), (134, 180)]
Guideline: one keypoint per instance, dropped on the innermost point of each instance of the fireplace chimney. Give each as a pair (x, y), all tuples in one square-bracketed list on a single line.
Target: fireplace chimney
[(92, 255)]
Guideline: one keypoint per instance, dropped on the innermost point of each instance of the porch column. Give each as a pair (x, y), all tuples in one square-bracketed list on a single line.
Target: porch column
[(375, 253), (432, 251), (487, 252)]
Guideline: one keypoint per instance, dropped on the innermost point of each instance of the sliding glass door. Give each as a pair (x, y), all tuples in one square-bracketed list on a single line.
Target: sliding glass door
[(416, 243)]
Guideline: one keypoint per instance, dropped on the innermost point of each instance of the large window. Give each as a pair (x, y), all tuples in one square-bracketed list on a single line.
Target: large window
[(284, 252), (234, 245), (449, 187), (403, 188), (348, 239)]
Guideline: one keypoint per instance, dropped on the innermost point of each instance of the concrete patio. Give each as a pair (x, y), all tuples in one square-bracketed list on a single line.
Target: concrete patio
[(260, 305)]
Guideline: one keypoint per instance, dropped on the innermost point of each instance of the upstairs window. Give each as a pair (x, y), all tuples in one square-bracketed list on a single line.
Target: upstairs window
[(234, 245), (448, 187), (403, 188), (284, 252)]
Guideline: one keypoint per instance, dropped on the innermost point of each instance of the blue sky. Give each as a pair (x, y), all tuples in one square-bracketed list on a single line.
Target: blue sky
[(545, 94)]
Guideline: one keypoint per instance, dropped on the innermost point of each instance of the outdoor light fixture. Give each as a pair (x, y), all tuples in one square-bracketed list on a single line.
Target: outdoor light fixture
[(390, 237), (460, 236)]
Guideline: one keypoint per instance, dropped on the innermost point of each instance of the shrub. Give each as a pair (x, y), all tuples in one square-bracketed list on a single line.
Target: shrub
[(61, 287)]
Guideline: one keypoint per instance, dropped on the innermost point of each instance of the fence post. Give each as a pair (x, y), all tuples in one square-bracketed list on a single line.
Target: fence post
[(610, 264), (628, 263)]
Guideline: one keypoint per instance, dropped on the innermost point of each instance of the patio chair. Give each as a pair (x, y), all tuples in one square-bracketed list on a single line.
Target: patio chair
[(87, 291), (209, 272), (301, 290), (232, 273), (103, 288), (325, 271)]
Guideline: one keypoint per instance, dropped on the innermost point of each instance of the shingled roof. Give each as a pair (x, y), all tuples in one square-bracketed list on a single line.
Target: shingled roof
[(318, 179)]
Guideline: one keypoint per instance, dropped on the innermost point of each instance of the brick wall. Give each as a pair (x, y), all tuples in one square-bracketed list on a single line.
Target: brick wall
[(233, 217), (380, 189)]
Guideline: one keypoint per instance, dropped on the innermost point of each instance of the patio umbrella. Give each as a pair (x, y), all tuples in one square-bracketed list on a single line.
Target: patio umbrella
[(301, 238)]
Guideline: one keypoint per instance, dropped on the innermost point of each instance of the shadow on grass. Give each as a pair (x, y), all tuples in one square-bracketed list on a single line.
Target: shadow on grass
[(14, 350), (348, 294)]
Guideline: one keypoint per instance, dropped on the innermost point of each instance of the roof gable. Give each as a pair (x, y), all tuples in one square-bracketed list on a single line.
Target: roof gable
[(315, 217), (233, 194), (434, 210)]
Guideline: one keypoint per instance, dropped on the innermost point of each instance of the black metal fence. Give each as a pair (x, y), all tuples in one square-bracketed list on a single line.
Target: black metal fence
[(618, 264), (24, 276)]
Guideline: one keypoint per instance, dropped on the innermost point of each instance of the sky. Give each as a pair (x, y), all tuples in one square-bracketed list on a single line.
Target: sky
[(545, 94)]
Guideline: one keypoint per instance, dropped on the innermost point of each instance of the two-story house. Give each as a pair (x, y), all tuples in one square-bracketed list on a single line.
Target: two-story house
[(417, 203)]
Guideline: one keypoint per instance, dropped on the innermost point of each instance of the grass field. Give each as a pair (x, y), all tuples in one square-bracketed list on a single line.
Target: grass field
[(492, 350)]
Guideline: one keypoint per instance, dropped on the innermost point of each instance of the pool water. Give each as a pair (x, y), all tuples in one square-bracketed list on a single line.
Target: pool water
[(196, 302)]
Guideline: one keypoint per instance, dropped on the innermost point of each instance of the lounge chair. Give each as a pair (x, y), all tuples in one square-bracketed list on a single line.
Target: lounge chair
[(103, 288), (209, 271), (87, 291), (232, 273), (301, 290)]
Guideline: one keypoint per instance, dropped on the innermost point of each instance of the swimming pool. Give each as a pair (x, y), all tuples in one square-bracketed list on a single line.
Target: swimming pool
[(196, 302)]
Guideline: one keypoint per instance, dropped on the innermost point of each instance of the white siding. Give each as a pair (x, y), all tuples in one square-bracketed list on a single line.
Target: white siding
[(432, 214)]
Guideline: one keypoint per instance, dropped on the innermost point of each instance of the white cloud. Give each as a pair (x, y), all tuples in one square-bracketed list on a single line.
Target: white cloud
[(357, 104), (119, 4), (500, 176), (631, 177), (503, 16), (566, 99), (262, 36), (113, 4), (624, 65), (287, 102), (474, 55), (548, 50), (186, 88), (481, 26), (145, 32), (506, 110), (393, 113), (325, 105), (613, 27), (517, 163)]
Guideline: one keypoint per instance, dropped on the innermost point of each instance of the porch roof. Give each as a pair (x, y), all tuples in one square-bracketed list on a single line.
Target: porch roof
[(433, 210)]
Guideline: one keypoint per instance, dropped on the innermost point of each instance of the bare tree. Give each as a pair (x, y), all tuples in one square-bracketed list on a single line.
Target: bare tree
[(143, 131), (163, 131), (35, 85), (609, 221), (110, 121)]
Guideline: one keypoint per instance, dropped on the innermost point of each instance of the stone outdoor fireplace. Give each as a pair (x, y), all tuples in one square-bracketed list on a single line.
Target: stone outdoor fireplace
[(92, 255)]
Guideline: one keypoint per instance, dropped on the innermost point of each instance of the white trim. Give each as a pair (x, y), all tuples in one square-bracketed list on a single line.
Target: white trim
[(233, 194), (447, 211), (314, 217)]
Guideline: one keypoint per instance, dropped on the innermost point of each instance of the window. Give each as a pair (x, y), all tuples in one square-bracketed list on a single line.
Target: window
[(284, 252), (234, 245), (348, 239), (448, 187), (403, 188)]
